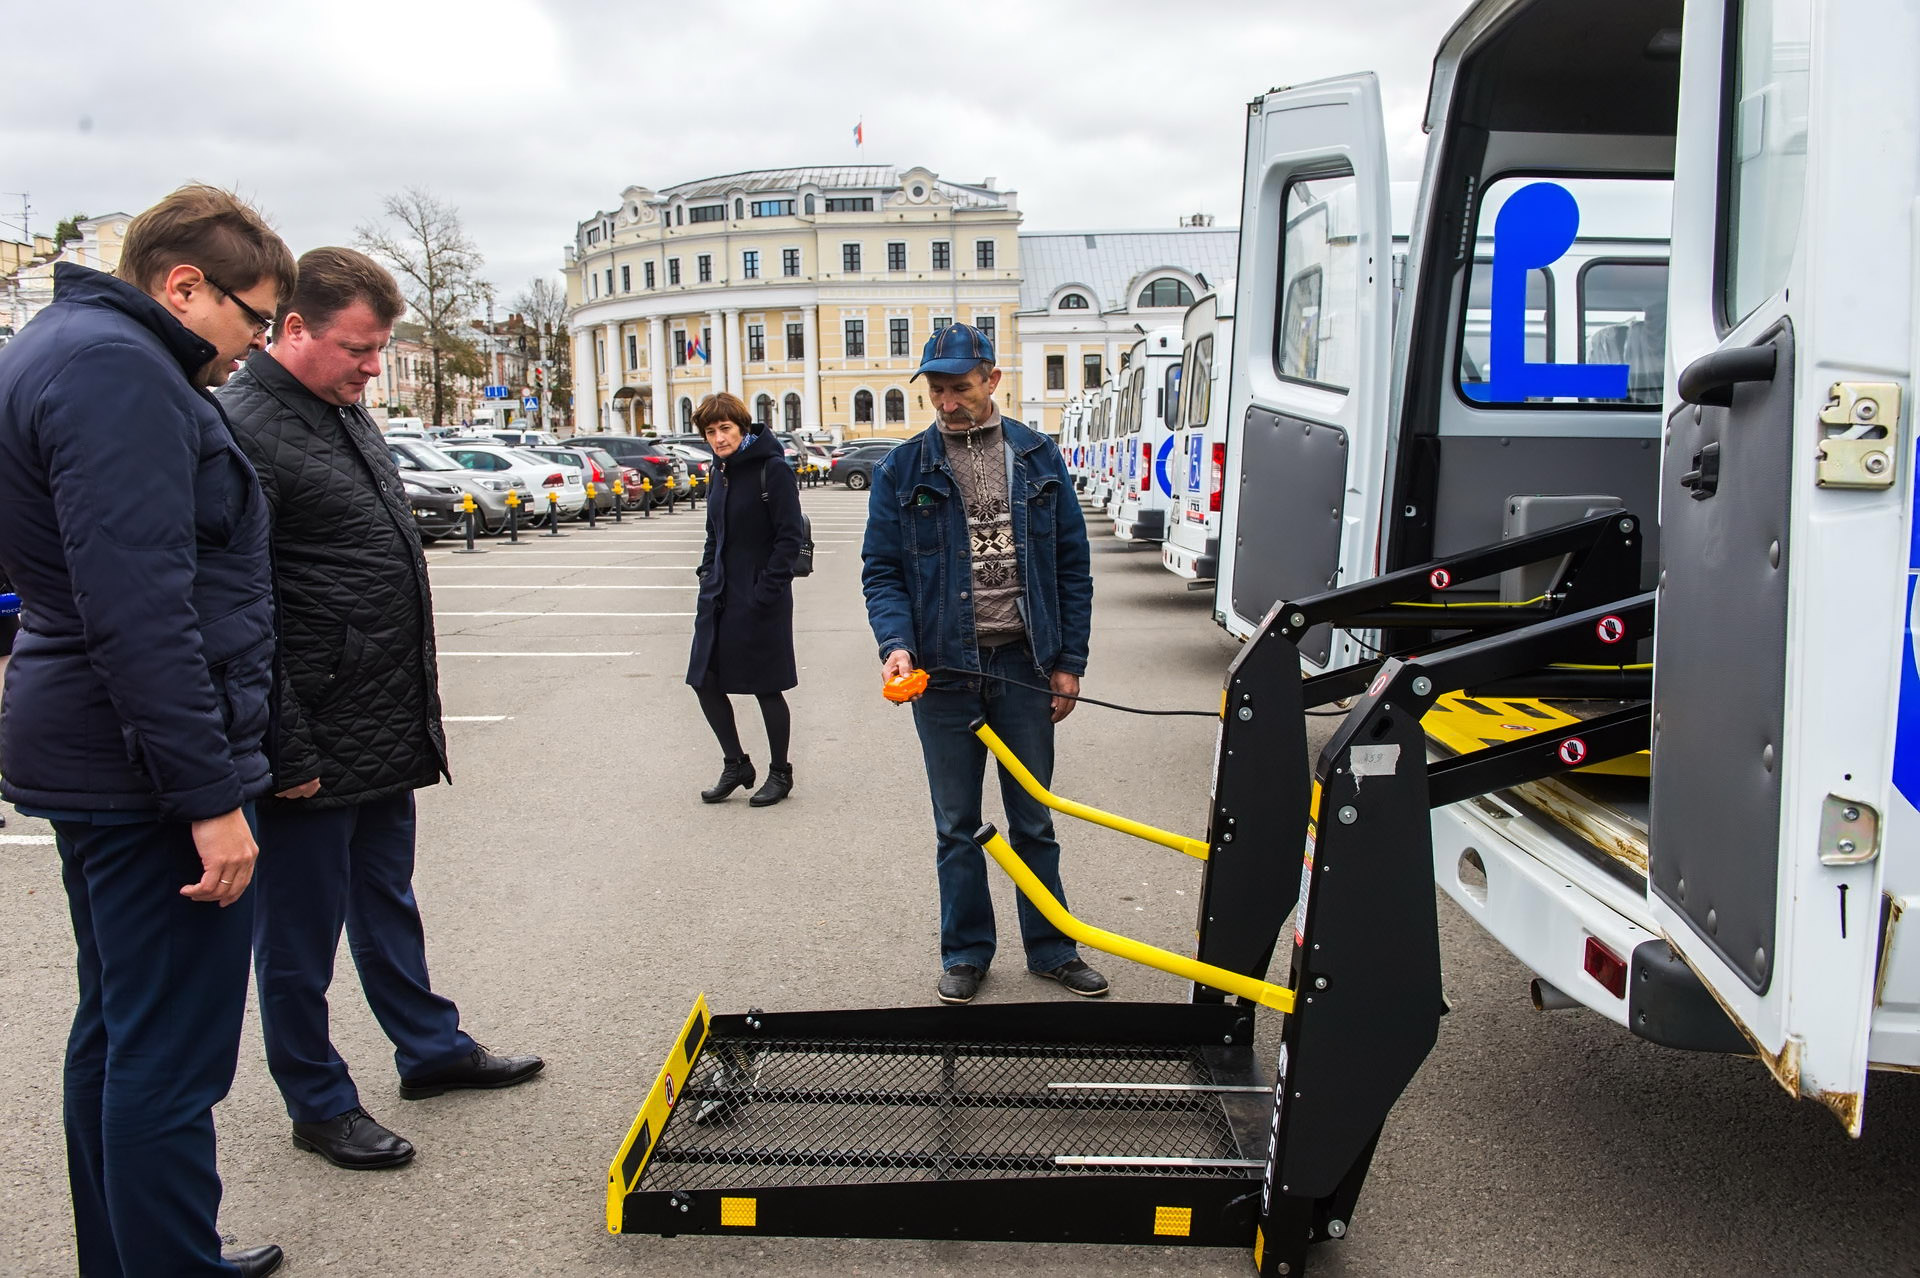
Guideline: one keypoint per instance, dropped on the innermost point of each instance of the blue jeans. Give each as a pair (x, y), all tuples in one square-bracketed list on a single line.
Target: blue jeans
[(163, 987), (322, 869), (956, 769)]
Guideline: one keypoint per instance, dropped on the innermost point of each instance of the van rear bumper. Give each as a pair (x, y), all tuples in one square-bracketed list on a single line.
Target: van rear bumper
[(1145, 525), (1192, 564)]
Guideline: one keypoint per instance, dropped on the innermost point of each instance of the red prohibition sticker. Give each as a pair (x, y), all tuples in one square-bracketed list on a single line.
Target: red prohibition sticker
[(670, 1086), (1573, 751), (1610, 629), (1439, 579), (1379, 684)]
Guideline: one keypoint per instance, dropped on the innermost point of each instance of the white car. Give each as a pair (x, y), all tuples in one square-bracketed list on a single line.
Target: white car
[(541, 475)]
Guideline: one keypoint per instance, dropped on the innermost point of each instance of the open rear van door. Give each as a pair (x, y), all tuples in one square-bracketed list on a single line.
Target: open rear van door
[(1785, 776), (1311, 348)]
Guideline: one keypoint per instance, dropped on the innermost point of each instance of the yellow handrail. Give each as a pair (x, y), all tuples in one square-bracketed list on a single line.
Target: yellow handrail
[(1265, 993), (1031, 784)]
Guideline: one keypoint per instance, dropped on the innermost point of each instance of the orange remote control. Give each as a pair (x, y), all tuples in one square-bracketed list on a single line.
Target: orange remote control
[(904, 688)]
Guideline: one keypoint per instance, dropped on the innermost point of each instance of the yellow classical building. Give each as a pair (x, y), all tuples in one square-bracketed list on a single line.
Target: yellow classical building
[(806, 292)]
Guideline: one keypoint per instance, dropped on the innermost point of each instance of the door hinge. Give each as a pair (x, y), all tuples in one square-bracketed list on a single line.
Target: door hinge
[(1849, 831), (1859, 435)]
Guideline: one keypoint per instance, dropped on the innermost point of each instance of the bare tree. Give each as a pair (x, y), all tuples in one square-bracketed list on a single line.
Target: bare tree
[(543, 304), (439, 273)]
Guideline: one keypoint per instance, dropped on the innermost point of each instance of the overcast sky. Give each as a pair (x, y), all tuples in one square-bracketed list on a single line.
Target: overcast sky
[(530, 115)]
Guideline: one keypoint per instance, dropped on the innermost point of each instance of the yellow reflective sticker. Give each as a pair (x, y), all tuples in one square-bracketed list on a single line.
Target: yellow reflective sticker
[(1173, 1222), (740, 1213)]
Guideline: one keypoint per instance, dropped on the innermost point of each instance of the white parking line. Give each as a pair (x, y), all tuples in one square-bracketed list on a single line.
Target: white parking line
[(495, 585), (503, 613), (513, 567), (475, 718), (36, 840), (445, 653)]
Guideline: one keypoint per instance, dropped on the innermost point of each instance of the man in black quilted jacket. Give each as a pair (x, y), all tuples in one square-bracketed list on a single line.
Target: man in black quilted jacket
[(359, 720)]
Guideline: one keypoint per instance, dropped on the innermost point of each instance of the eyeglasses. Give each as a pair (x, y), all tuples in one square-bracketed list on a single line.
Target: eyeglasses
[(261, 323)]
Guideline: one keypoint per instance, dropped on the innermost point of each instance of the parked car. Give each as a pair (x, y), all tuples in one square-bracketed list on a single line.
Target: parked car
[(872, 441), (521, 438), (596, 466), (699, 461), (542, 475), (437, 505), (644, 454), (854, 467), (489, 490)]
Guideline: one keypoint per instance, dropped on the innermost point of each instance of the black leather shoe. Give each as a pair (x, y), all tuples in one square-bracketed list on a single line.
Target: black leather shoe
[(255, 1262), (481, 1068), (737, 774), (353, 1140), (959, 983), (779, 785), (1078, 977)]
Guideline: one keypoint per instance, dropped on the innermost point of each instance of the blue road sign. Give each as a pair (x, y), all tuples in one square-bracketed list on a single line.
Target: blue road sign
[(530, 402), (496, 392)]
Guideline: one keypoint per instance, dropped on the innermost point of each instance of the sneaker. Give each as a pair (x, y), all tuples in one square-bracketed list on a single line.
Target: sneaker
[(959, 983), (1078, 977)]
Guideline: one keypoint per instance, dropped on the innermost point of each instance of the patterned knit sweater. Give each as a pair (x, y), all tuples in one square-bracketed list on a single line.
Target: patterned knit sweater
[(978, 458)]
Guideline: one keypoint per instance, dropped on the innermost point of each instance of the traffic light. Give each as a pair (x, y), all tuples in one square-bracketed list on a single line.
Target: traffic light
[(539, 377)]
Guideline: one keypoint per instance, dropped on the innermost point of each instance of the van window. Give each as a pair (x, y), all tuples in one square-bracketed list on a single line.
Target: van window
[(1170, 409), (1476, 337), (1199, 384), (1623, 320), (1767, 150), (1315, 333)]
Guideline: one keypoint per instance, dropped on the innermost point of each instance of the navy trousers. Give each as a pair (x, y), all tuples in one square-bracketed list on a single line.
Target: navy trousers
[(163, 987), (321, 869)]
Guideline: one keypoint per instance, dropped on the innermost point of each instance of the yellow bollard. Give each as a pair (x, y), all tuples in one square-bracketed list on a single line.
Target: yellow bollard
[(513, 516)]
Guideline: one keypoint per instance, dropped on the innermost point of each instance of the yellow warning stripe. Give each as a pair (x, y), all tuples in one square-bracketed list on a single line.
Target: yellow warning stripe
[(631, 1159), (1465, 724)]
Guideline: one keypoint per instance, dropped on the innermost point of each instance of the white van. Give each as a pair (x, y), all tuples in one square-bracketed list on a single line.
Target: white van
[(1758, 884), (1104, 480), (1198, 466), (1152, 402)]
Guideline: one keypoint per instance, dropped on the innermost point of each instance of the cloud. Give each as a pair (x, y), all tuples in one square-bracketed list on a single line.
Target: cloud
[(529, 116)]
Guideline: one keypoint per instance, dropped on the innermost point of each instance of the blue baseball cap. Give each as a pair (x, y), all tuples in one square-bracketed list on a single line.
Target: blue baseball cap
[(955, 349)]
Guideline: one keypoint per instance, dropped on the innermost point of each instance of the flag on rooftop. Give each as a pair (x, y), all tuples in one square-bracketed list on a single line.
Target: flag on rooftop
[(859, 134)]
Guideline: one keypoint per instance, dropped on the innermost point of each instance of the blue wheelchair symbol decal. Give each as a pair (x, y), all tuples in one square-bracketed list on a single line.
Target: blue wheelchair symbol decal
[(1535, 228)]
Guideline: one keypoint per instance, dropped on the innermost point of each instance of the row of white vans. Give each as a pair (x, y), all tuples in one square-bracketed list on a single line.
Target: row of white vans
[(1626, 210)]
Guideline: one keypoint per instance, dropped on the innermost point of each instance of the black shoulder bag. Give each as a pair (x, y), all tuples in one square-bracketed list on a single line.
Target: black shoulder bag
[(803, 562)]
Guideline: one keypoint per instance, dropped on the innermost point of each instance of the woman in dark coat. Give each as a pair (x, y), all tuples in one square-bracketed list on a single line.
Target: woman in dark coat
[(743, 629)]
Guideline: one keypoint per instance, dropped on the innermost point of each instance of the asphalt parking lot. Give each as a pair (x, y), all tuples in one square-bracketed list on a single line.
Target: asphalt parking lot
[(577, 897)]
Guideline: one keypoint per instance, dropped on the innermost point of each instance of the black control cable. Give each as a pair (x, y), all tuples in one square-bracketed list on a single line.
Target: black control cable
[(1092, 701)]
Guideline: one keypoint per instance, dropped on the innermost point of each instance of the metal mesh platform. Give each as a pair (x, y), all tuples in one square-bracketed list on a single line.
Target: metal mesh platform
[(772, 1111)]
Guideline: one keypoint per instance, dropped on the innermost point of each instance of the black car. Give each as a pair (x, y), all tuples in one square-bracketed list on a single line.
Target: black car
[(641, 453), (437, 505), (854, 467)]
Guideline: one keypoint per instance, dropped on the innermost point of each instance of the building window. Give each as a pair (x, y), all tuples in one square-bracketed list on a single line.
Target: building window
[(647, 273), (863, 408), (703, 266), (710, 213), (600, 353), (1074, 302), (942, 321), (763, 410), (809, 206), (739, 209), (1166, 293), (942, 255), (594, 280), (750, 264), (896, 407), (983, 254), (790, 411), (850, 258), (896, 255), (633, 350), (796, 341), (851, 204), (673, 270), (593, 235), (1090, 378), (686, 415), (626, 279), (772, 208), (680, 216), (609, 281), (706, 344), (789, 261), (1056, 372), (757, 343), (680, 346), (857, 344), (985, 324)]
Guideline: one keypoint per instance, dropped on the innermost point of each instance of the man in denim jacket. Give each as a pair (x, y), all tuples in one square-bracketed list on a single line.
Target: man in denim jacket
[(976, 569)]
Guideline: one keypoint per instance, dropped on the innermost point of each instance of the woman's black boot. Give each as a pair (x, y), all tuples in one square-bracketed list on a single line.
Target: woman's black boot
[(738, 772), (779, 785)]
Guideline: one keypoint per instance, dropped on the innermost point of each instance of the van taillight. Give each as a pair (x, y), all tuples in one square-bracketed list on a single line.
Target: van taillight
[(555, 480), (1219, 482), (1146, 468), (1606, 967)]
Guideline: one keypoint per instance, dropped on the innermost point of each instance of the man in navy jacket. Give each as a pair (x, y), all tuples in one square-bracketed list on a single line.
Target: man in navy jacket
[(136, 707)]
